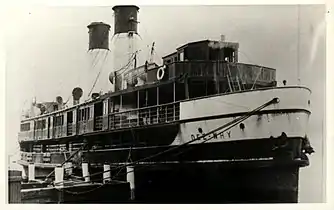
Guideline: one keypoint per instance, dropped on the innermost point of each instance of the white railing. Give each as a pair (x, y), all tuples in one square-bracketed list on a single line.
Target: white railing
[(159, 114)]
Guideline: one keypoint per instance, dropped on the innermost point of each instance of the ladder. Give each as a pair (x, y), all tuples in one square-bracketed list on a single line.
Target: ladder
[(233, 82)]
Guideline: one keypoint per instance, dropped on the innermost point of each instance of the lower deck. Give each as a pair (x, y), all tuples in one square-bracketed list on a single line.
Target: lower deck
[(261, 181), (252, 171)]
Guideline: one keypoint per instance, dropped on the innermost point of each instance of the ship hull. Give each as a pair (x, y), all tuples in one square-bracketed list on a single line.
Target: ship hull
[(196, 160), (220, 172), (258, 182), (290, 115), (233, 150)]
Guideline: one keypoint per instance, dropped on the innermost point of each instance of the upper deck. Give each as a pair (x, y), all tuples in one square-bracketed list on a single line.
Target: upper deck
[(202, 70)]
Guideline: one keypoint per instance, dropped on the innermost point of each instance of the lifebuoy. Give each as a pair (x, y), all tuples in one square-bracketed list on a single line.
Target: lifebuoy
[(161, 73)]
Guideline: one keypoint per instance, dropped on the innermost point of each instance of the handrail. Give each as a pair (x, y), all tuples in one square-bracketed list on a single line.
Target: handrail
[(158, 114), (147, 107)]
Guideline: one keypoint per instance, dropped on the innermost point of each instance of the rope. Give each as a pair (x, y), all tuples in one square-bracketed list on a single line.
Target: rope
[(124, 68), (79, 193), (82, 147), (243, 86), (98, 50), (260, 71), (68, 99), (98, 75), (91, 190), (230, 125), (275, 100)]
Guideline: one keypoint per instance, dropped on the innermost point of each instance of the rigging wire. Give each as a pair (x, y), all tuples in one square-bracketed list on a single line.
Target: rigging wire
[(81, 148), (129, 62), (155, 51), (92, 190), (229, 125), (95, 61), (235, 121), (98, 50), (242, 82), (98, 75), (67, 99), (246, 56), (257, 77)]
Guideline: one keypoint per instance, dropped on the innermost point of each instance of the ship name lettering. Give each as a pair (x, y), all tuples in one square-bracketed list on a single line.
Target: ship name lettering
[(215, 135)]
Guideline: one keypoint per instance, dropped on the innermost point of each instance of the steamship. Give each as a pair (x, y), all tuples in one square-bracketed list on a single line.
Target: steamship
[(200, 126)]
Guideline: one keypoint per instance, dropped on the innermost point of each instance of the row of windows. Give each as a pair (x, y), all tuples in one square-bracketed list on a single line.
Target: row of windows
[(41, 124), (83, 115)]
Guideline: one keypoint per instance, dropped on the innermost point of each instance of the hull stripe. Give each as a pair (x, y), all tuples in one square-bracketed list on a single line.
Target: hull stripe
[(237, 114)]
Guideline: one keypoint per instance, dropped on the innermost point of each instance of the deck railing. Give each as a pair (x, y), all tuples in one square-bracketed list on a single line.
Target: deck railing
[(248, 73), (44, 157), (69, 129), (165, 113), (98, 123)]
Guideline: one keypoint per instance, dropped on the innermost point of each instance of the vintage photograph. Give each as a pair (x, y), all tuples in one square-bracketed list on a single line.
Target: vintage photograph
[(163, 104)]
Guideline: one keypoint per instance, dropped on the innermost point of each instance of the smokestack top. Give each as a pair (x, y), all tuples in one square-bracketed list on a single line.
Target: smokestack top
[(92, 24), (124, 6)]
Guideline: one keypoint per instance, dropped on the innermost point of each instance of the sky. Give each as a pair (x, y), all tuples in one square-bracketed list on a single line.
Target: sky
[(46, 55)]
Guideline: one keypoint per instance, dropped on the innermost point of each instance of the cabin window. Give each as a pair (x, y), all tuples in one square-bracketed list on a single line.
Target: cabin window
[(69, 117), (40, 124), (58, 120), (25, 127)]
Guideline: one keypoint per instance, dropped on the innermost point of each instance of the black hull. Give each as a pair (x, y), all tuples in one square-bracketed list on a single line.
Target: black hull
[(245, 171), (243, 149), (236, 178), (214, 183), (262, 181)]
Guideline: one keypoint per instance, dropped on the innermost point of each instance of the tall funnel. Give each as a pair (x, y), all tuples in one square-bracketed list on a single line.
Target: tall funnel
[(124, 45), (98, 52), (125, 19), (98, 35)]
